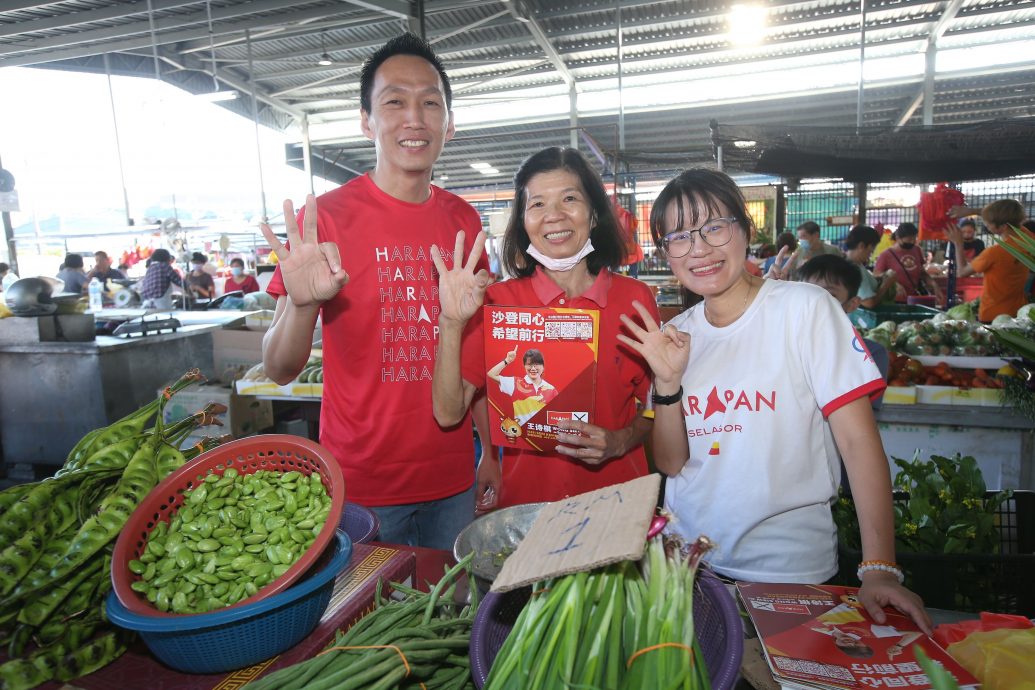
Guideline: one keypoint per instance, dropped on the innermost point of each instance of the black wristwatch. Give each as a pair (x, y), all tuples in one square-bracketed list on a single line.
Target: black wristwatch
[(667, 399)]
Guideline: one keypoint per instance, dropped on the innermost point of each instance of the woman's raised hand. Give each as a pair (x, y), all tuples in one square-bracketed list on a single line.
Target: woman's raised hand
[(779, 269), (667, 350), (311, 269), (461, 290)]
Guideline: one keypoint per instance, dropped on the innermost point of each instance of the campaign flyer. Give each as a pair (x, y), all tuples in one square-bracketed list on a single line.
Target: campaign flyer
[(820, 636), (541, 368)]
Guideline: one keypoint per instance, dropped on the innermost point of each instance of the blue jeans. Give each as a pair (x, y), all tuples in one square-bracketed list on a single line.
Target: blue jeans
[(431, 524)]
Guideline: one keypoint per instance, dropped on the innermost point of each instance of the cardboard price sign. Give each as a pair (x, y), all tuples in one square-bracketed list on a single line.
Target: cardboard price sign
[(584, 532)]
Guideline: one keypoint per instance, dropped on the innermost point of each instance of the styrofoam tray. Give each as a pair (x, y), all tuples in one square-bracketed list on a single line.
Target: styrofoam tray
[(961, 362)]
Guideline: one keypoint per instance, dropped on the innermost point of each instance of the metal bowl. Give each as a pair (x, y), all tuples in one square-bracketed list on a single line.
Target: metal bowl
[(493, 537)]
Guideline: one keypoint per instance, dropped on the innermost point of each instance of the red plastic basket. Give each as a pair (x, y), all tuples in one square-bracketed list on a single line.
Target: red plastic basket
[(274, 452)]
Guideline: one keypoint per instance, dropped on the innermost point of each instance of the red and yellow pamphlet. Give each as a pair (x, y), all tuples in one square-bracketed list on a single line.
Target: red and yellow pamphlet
[(820, 636), (541, 368)]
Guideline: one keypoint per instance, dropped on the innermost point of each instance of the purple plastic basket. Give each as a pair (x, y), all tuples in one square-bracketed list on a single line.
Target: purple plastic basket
[(361, 524), (716, 621)]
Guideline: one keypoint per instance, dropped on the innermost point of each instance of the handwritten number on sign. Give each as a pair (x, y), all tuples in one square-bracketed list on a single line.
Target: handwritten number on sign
[(576, 529)]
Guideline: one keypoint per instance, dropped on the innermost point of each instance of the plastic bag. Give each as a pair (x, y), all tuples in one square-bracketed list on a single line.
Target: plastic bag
[(934, 211), (1001, 659), (948, 633)]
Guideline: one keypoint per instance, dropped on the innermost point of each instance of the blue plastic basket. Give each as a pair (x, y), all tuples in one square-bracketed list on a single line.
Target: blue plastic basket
[(231, 639), (361, 524), (716, 622)]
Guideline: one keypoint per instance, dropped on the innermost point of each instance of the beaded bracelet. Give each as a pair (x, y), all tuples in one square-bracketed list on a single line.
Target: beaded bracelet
[(886, 566)]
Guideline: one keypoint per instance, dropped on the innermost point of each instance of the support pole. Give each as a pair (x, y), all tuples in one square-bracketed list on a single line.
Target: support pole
[(307, 153), (862, 63), (118, 145), (255, 121)]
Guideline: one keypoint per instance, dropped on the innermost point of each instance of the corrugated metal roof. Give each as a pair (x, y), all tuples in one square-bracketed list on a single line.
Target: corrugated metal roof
[(491, 50)]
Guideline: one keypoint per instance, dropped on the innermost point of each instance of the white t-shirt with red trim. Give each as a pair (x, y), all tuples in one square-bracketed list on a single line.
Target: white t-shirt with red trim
[(764, 468), (380, 335)]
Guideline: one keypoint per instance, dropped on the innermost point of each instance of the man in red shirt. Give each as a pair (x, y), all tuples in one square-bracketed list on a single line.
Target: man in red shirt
[(380, 331)]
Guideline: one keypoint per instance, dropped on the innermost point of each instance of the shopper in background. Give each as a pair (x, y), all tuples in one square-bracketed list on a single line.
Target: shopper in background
[(102, 269), (564, 247), (73, 275), (907, 261), (199, 281), (238, 280), (770, 436), (810, 244), (380, 331), (860, 243), (784, 241), (156, 286), (1004, 275), (7, 277), (972, 246)]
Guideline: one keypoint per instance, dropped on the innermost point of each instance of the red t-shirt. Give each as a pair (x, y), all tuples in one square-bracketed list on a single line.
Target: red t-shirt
[(248, 284), (379, 340), (908, 266), (622, 379)]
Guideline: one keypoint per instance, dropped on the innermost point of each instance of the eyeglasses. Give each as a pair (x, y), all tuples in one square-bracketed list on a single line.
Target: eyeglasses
[(715, 232)]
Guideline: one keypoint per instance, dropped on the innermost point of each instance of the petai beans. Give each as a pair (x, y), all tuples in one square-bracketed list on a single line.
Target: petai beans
[(234, 534)]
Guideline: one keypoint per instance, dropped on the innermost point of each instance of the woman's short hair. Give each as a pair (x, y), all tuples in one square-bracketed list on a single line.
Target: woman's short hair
[(1003, 212), (712, 190), (237, 261), (608, 247), (533, 356), (73, 261), (160, 256)]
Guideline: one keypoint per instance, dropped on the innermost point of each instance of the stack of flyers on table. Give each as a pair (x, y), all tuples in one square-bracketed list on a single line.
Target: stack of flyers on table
[(820, 636), (541, 369)]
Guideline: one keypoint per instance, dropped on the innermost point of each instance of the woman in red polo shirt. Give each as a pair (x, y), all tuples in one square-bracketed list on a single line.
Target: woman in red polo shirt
[(564, 246), (238, 280)]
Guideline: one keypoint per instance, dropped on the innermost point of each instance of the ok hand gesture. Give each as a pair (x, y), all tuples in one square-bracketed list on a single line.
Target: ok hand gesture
[(666, 350), (461, 290), (311, 269)]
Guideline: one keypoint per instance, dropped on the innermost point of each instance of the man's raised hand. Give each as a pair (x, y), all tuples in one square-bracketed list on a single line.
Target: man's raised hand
[(311, 269), (461, 290)]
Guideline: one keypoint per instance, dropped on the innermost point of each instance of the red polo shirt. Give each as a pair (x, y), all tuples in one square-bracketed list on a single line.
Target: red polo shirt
[(622, 378)]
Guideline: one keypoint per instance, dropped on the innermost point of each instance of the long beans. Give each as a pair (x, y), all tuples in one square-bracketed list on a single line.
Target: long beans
[(422, 638), (619, 627)]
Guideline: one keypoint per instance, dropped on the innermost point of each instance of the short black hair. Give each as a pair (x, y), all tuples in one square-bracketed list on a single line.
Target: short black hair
[(159, 255), (198, 258), (73, 261), (809, 226), (403, 44), (533, 356), (906, 229), (4, 268), (237, 260), (786, 239), (710, 189), (968, 221), (608, 247), (832, 270), (862, 234)]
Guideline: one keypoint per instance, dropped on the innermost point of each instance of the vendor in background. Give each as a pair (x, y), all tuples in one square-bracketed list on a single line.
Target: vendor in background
[(564, 246), (156, 285), (775, 447), (238, 280), (7, 277), (907, 261), (73, 275), (102, 269), (972, 246), (861, 241), (199, 281), (1003, 291)]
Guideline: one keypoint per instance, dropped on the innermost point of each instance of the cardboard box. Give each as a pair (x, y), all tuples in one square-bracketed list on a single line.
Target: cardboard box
[(245, 415), (353, 597), (900, 395), (935, 395), (236, 347)]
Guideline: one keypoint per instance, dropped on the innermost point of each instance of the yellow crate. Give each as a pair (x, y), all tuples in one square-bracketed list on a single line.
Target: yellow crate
[(900, 395)]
